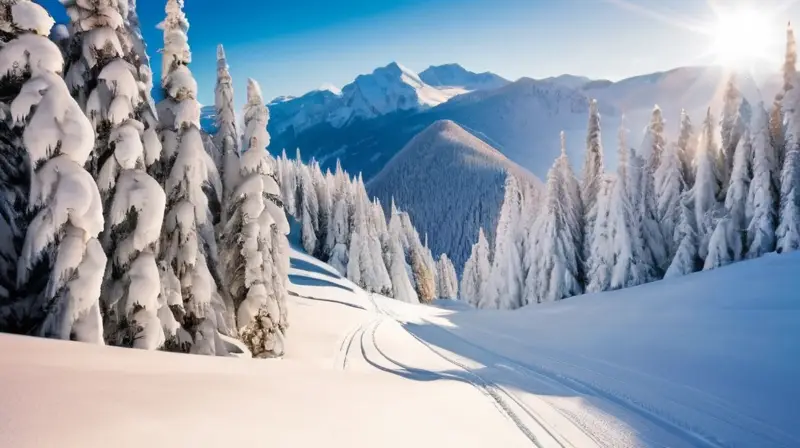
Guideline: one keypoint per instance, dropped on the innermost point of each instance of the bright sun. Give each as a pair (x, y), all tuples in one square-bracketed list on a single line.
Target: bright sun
[(742, 37)]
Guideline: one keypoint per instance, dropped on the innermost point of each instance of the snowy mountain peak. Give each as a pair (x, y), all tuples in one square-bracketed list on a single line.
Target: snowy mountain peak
[(454, 75), (387, 89)]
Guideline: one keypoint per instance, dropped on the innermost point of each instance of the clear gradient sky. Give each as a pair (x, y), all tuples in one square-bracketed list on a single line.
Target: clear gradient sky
[(293, 46)]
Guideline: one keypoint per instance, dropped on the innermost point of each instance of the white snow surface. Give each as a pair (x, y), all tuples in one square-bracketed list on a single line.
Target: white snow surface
[(706, 360)]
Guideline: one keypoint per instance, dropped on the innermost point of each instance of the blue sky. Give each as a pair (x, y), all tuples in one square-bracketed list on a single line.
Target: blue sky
[(293, 46)]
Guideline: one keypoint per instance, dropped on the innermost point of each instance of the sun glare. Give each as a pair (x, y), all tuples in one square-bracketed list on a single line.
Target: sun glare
[(742, 37)]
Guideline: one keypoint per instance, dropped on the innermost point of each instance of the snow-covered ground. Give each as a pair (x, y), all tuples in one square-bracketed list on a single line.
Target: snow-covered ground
[(706, 360)]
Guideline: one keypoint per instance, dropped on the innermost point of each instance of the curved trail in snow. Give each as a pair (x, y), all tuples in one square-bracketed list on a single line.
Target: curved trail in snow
[(532, 425)]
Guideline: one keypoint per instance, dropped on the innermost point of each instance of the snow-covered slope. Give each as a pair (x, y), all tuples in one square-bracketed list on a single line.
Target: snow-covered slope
[(454, 75), (452, 184), (707, 360)]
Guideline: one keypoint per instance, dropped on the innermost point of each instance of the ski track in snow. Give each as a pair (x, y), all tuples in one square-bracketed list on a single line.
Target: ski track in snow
[(574, 411)]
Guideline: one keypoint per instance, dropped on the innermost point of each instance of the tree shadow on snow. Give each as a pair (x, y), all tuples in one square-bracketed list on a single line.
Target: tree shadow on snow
[(303, 265), (543, 377), (301, 280)]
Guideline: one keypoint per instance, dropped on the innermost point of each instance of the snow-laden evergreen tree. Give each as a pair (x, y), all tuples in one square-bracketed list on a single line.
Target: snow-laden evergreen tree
[(365, 257), (476, 271), (288, 184), (633, 262), (187, 238), (762, 198), (307, 202), (506, 284), (592, 178), (554, 272), (339, 233), (601, 263), (15, 176), (686, 259), (707, 187), (424, 280), (402, 288), (324, 207), (430, 263), (687, 143), (447, 278), (145, 113), (736, 204), (670, 185), (723, 245), (61, 262), (788, 232), (646, 227), (381, 227), (134, 201), (644, 196), (654, 142), (573, 203), (227, 136), (777, 137), (256, 250), (729, 130)]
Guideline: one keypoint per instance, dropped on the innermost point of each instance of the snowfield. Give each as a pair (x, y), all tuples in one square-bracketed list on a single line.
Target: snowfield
[(706, 360)]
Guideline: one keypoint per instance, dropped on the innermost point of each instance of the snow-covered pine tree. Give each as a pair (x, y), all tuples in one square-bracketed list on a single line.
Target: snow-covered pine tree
[(134, 201), (61, 262), (324, 207), (145, 113), (430, 262), (670, 185), (633, 263), (187, 235), (15, 176), (554, 272), (339, 234), (592, 178), (762, 198), (777, 138), (736, 204), (423, 276), (729, 130), (366, 263), (601, 262), (654, 142), (686, 259), (226, 138), (307, 203), (447, 278), (476, 271), (707, 186), (687, 143), (402, 288), (288, 184), (788, 232), (256, 256), (573, 203), (381, 227), (506, 283), (723, 244), (644, 193)]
